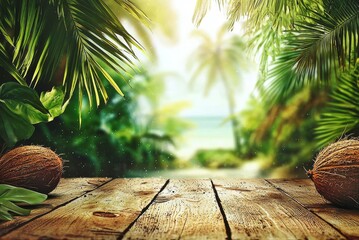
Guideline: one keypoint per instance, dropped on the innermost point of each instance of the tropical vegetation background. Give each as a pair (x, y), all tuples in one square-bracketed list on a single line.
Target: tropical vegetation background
[(242, 88)]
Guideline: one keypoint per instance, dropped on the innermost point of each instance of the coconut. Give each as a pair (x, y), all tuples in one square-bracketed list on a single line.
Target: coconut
[(336, 173), (32, 167)]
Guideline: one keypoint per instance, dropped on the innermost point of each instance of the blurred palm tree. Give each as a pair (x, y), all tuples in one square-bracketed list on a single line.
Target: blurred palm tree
[(303, 44), (222, 60)]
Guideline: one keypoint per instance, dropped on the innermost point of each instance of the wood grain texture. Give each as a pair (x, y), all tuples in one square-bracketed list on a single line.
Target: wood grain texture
[(184, 209), (303, 191), (256, 210), (67, 190), (101, 214)]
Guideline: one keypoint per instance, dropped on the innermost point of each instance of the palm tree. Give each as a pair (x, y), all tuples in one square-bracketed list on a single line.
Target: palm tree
[(303, 44), (222, 60)]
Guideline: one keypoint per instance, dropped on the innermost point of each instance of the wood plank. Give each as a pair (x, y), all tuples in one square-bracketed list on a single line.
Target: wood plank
[(67, 190), (255, 209), (186, 208), (101, 214), (303, 191)]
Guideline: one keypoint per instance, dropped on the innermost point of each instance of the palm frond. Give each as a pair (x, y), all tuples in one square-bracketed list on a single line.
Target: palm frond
[(202, 7), (264, 22), (73, 39), (95, 34), (219, 59), (8, 67), (341, 116), (6, 22), (314, 51)]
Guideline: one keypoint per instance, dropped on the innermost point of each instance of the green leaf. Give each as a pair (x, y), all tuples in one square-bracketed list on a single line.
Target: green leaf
[(7, 65), (22, 94), (20, 108), (9, 195), (53, 101), (341, 116), (13, 128)]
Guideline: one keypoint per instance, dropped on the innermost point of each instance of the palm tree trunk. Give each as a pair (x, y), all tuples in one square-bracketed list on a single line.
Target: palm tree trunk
[(234, 120)]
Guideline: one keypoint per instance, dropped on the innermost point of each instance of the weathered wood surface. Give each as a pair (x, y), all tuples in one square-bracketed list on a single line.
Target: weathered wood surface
[(303, 191), (254, 209), (184, 208), (67, 190), (101, 214)]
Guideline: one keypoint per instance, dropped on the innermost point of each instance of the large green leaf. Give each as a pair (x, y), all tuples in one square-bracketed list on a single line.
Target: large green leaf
[(23, 101), (21, 107), (9, 195), (53, 101), (13, 128)]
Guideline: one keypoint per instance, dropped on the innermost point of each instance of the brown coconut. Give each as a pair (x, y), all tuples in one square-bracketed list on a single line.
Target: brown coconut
[(32, 167), (336, 173)]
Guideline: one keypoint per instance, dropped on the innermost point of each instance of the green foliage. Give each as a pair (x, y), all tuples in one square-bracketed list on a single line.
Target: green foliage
[(341, 115), (314, 51), (119, 135), (217, 158), (62, 43), (10, 195), (305, 43), (306, 47), (162, 17), (53, 102), (53, 43), (284, 134), (21, 107)]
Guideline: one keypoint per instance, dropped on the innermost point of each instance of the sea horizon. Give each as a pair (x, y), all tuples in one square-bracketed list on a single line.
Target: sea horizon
[(208, 132)]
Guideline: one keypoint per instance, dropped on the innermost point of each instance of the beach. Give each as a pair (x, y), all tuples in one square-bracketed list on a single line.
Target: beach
[(208, 132)]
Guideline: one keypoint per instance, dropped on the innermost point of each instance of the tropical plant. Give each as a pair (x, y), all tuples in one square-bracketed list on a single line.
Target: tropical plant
[(319, 48), (59, 43), (308, 41), (10, 196), (124, 134), (303, 44), (21, 107), (216, 158), (162, 17), (341, 115), (222, 60), (41, 38)]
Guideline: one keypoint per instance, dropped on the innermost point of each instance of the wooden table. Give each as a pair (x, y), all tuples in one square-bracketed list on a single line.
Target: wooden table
[(100, 208)]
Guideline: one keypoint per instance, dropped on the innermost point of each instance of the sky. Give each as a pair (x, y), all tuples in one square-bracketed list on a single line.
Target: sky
[(174, 57)]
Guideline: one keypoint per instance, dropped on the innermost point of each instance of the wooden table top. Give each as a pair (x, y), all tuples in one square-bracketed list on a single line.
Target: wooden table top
[(150, 208)]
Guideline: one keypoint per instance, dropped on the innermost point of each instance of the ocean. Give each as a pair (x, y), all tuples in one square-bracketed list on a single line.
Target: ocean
[(208, 132)]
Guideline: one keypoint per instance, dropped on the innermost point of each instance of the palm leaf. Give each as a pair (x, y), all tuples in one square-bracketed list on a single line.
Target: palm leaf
[(201, 9), (313, 53), (67, 38), (341, 116)]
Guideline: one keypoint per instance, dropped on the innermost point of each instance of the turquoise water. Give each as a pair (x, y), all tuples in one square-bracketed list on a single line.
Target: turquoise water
[(207, 133)]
